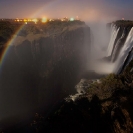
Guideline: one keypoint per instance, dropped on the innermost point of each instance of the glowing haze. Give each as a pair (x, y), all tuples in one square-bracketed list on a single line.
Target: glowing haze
[(85, 9)]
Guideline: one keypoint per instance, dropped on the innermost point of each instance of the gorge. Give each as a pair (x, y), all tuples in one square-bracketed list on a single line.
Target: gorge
[(44, 63)]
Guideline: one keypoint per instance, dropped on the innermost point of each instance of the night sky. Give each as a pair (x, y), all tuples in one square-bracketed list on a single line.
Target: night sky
[(85, 9)]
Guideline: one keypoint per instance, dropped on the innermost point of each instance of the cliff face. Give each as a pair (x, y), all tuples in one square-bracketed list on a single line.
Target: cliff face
[(41, 68)]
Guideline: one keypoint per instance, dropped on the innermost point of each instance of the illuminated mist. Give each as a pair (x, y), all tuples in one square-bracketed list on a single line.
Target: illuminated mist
[(100, 40)]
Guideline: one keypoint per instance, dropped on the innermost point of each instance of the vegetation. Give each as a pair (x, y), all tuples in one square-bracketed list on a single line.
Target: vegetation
[(111, 83)]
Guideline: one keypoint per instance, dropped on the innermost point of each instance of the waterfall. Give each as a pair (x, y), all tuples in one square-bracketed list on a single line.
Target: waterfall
[(114, 32), (117, 47), (115, 53), (126, 49), (129, 59)]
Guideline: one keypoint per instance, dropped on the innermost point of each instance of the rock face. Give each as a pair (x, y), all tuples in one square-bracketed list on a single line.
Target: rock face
[(43, 67)]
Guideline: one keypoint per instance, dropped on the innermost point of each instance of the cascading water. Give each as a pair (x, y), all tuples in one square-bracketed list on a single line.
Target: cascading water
[(117, 47), (114, 32), (126, 49), (117, 54)]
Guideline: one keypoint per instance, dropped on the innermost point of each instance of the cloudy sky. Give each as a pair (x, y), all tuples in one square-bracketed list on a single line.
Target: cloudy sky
[(85, 9)]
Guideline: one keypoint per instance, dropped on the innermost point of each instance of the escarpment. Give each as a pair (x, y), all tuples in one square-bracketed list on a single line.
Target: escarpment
[(41, 67)]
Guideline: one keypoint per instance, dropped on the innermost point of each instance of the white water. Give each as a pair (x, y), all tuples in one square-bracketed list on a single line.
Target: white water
[(114, 64), (129, 58), (117, 46), (114, 32), (124, 52)]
